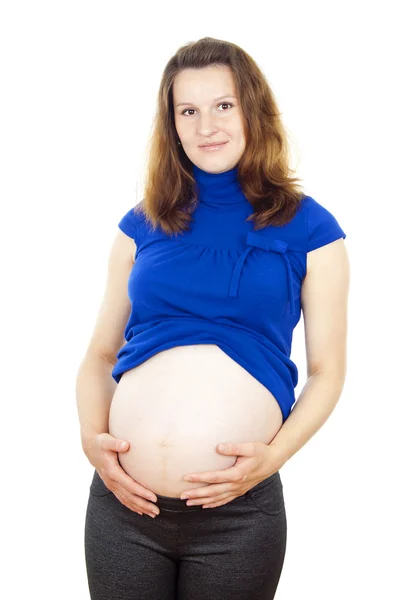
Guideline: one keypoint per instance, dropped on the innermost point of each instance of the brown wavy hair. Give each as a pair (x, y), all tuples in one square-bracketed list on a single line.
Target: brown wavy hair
[(263, 170)]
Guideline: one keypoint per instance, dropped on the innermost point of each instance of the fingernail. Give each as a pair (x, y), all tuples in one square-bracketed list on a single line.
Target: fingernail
[(123, 445)]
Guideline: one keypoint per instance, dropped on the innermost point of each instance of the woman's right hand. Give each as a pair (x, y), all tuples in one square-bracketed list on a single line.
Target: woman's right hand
[(102, 454)]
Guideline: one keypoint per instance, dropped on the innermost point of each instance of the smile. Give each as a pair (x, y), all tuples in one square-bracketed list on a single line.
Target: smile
[(213, 148)]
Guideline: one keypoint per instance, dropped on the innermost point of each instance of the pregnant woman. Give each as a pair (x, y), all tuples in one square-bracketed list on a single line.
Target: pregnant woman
[(207, 277)]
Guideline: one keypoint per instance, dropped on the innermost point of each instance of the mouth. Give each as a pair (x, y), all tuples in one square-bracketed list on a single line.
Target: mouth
[(212, 146)]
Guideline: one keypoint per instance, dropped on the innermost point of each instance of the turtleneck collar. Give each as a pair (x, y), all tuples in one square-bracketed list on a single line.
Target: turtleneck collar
[(219, 190)]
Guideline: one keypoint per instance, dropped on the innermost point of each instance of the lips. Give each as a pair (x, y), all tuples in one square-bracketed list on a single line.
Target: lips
[(215, 144)]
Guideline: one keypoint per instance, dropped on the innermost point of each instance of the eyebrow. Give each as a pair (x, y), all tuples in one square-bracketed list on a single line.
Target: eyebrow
[(219, 98)]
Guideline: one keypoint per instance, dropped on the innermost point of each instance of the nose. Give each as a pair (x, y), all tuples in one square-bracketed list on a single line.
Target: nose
[(206, 125)]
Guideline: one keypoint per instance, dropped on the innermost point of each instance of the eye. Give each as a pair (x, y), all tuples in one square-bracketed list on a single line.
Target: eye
[(221, 104)]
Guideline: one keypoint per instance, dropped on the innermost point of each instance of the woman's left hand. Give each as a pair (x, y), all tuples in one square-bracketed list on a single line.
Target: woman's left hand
[(256, 461)]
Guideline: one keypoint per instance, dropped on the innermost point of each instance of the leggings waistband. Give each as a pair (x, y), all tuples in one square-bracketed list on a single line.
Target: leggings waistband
[(175, 504)]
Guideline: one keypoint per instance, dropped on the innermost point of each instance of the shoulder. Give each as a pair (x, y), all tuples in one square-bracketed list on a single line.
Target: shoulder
[(131, 222), (321, 226)]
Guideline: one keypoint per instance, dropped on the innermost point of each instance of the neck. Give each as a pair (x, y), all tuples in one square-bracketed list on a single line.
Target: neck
[(219, 190)]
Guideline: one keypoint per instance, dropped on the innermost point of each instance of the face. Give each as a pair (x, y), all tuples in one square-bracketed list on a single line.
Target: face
[(207, 110)]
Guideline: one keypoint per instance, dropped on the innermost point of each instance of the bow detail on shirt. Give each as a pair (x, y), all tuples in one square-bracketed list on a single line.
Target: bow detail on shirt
[(255, 240)]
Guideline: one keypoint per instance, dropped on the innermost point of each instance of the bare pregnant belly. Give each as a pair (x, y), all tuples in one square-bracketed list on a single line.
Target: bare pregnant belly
[(178, 405)]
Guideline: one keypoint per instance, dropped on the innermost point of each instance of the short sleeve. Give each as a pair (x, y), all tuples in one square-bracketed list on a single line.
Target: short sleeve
[(323, 227), (128, 224)]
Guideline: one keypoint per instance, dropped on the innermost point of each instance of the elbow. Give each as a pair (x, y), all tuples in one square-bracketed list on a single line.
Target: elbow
[(330, 380), (336, 373)]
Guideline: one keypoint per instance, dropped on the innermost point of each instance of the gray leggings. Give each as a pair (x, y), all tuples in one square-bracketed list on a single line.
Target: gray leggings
[(230, 552)]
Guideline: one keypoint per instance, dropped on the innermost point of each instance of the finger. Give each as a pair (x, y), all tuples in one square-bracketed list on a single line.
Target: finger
[(121, 497), (108, 442), (131, 505), (239, 448), (120, 478), (132, 493), (230, 474), (133, 487), (209, 491), (209, 501), (138, 500), (221, 503), (136, 503)]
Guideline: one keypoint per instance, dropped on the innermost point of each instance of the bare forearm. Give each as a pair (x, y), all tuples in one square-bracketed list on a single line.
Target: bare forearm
[(95, 388), (314, 405)]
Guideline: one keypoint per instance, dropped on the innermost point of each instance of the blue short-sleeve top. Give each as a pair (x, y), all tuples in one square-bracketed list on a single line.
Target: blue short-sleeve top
[(223, 283)]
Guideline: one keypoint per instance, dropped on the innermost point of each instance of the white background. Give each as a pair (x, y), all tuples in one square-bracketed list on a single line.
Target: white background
[(78, 91)]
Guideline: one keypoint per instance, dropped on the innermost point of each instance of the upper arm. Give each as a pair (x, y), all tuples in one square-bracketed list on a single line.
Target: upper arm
[(108, 334), (324, 303)]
